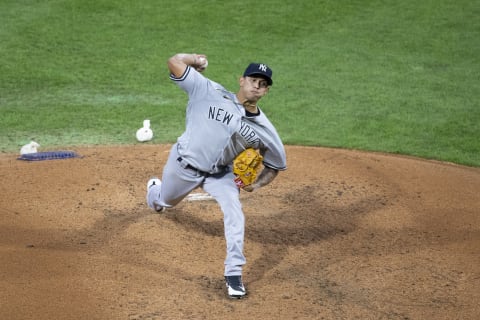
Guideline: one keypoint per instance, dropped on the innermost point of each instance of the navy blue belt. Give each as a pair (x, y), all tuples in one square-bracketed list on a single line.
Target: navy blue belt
[(186, 165)]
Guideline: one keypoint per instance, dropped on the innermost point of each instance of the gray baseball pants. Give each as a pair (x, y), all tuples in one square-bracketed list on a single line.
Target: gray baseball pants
[(178, 180)]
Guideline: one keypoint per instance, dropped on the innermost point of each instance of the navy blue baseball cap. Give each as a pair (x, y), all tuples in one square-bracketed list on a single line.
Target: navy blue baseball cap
[(259, 70)]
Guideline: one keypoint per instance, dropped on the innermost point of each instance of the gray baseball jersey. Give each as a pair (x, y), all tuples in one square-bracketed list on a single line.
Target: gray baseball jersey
[(218, 128)]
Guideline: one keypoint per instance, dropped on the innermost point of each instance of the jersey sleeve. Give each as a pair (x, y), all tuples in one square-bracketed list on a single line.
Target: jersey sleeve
[(191, 81), (272, 148), (274, 155)]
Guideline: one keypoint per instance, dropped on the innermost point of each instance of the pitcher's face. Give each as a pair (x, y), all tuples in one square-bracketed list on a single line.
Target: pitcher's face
[(253, 88)]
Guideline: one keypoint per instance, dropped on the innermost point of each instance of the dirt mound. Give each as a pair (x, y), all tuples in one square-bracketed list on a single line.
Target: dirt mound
[(339, 235)]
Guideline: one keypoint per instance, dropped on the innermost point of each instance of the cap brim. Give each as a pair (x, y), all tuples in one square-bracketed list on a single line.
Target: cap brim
[(261, 75)]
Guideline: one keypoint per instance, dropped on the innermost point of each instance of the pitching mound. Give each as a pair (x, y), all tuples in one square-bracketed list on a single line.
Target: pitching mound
[(339, 235)]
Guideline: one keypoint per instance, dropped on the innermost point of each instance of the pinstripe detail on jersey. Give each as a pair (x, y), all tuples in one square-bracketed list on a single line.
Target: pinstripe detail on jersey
[(274, 167), (183, 76)]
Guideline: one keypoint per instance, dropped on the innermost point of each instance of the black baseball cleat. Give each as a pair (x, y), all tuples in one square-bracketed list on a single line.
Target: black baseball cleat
[(235, 287)]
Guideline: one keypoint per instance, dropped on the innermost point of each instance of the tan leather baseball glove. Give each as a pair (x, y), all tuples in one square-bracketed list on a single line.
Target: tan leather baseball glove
[(246, 167)]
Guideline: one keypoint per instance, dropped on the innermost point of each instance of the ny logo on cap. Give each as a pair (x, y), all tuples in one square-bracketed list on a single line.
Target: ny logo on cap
[(262, 67)]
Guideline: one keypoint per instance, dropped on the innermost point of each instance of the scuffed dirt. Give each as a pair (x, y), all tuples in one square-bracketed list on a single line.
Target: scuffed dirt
[(339, 235)]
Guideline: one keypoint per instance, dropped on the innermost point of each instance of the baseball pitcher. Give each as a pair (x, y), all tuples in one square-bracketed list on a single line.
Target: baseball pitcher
[(227, 140)]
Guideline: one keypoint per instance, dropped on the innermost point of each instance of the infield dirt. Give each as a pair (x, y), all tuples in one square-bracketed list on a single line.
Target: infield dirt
[(339, 235)]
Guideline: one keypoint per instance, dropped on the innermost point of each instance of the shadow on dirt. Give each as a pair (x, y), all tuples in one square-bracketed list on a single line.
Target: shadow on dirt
[(305, 220)]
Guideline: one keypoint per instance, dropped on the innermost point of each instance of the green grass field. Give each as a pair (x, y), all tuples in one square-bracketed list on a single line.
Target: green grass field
[(393, 76)]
